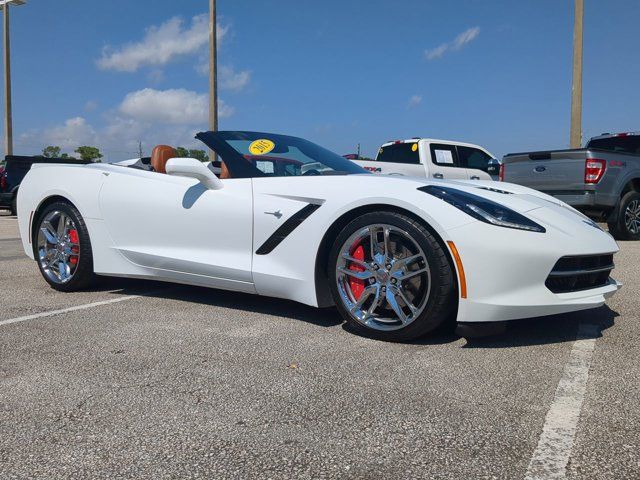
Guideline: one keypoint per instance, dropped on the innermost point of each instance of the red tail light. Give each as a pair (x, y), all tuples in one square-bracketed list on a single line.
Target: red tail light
[(3, 181), (594, 169), (501, 174)]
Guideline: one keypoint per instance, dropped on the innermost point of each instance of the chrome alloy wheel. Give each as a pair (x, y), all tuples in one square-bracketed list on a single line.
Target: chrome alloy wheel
[(383, 277), (632, 217), (58, 247)]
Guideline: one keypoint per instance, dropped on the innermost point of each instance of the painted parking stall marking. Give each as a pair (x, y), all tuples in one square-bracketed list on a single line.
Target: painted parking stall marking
[(52, 313), (554, 448)]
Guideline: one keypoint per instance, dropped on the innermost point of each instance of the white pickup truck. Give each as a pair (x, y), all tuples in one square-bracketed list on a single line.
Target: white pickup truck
[(426, 157)]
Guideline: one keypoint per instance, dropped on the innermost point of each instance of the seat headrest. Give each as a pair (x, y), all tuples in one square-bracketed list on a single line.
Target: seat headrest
[(160, 156), (224, 171)]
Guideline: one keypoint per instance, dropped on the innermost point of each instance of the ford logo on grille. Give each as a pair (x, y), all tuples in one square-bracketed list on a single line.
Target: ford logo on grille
[(540, 169)]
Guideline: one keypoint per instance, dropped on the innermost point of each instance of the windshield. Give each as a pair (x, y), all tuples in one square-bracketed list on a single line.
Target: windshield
[(254, 154), (618, 143)]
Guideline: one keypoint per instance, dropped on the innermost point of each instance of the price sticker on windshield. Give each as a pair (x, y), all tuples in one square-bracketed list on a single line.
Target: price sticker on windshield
[(261, 146)]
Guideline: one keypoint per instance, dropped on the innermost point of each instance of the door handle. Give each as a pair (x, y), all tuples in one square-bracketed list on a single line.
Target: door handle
[(475, 177), (438, 175), (277, 213)]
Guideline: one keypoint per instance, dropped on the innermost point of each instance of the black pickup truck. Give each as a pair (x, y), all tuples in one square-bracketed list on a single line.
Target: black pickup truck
[(601, 180), (16, 167)]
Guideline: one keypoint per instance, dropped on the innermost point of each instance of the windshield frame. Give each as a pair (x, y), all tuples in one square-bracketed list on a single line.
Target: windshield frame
[(239, 167)]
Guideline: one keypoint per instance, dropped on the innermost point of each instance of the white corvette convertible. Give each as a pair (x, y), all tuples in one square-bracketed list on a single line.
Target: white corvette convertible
[(286, 218)]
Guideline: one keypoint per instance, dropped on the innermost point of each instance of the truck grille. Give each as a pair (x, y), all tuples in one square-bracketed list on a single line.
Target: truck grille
[(572, 274)]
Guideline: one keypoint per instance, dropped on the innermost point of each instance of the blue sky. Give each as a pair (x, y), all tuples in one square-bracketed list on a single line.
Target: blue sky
[(496, 73)]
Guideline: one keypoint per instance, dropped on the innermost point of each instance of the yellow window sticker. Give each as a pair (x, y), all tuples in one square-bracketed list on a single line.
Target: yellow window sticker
[(414, 147), (261, 146)]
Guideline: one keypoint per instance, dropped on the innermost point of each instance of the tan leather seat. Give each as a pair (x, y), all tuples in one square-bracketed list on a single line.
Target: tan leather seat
[(160, 156), (224, 171)]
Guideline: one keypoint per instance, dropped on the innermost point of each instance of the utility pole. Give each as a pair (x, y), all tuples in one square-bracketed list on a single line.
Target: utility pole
[(576, 87), (8, 118), (213, 72)]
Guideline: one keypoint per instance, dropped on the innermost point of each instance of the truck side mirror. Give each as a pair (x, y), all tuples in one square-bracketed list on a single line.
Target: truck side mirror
[(493, 167)]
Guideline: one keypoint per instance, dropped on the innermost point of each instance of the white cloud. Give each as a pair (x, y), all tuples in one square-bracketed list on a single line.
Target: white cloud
[(170, 117), (91, 105), (456, 44), (117, 140), (228, 77), (414, 101), (161, 44), (156, 76), (233, 80), (73, 133), (175, 106)]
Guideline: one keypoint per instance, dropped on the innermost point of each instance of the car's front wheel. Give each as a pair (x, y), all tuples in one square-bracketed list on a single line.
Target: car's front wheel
[(390, 278), (62, 248)]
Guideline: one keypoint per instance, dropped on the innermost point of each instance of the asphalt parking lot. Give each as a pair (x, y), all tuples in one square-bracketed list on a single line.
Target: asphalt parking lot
[(149, 380)]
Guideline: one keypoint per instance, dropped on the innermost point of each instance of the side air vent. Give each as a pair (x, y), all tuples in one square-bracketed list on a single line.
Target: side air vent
[(286, 228)]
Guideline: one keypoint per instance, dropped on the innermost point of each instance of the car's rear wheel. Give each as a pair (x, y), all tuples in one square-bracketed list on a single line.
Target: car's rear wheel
[(14, 205), (62, 248), (390, 278), (627, 226)]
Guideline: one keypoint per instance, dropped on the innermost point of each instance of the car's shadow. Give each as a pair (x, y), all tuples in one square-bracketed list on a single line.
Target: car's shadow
[(517, 333), (549, 329), (322, 317)]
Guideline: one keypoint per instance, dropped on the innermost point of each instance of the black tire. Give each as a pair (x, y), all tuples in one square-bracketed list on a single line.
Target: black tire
[(620, 229), (441, 303), (14, 205), (83, 276)]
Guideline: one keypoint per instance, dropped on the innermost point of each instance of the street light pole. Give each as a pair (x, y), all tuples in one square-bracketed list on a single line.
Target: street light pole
[(213, 71), (576, 87), (8, 118)]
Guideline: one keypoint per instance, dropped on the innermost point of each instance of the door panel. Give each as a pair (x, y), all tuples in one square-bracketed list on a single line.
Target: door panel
[(475, 161), (444, 162), (176, 224)]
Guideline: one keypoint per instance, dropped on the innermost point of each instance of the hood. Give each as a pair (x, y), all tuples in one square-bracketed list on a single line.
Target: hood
[(516, 197)]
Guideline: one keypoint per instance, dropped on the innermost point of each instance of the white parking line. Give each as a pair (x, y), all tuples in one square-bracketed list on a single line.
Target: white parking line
[(552, 454), (51, 313)]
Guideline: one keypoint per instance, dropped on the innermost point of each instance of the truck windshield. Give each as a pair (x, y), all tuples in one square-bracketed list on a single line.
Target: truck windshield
[(622, 144)]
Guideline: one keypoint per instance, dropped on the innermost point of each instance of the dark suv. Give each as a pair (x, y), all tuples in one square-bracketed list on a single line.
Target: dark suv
[(14, 172), (15, 169)]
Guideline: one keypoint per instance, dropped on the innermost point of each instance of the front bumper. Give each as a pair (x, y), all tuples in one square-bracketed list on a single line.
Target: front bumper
[(506, 271)]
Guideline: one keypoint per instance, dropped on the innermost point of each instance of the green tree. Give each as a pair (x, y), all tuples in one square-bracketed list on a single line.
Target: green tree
[(182, 152), (51, 152), (197, 154), (89, 153)]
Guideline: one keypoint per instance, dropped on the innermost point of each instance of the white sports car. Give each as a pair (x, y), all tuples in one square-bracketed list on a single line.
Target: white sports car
[(286, 218)]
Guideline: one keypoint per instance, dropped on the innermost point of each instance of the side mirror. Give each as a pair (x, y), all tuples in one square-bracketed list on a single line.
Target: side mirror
[(493, 167), (192, 168)]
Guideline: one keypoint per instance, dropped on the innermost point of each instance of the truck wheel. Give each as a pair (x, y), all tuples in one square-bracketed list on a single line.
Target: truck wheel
[(627, 226), (14, 205)]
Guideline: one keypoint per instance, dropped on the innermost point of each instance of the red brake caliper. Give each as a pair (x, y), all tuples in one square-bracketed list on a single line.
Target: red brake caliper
[(357, 285), (73, 238)]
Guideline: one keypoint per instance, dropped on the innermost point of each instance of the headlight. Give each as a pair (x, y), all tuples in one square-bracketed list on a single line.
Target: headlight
[(482, 209)]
